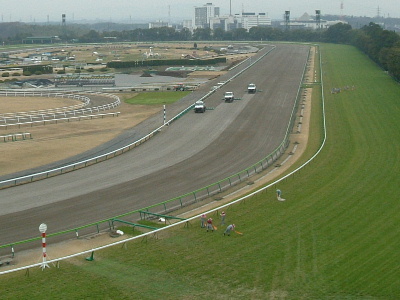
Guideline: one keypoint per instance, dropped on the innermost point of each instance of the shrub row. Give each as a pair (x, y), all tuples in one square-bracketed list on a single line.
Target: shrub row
[(43, 69), (166, 62)]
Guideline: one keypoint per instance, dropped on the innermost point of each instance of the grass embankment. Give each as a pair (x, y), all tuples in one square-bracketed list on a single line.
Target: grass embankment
[(336, 236)]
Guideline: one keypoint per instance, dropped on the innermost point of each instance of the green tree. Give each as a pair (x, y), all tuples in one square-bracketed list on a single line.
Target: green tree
[(166, 34), (91, 37), (185, 34), (393, 62), (219, 34), (339, 34), (240, 34), (202, 34)]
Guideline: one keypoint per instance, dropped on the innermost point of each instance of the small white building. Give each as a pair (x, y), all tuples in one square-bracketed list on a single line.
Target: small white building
[(37, 58), (249, 20), (158, 24), (243, 20)]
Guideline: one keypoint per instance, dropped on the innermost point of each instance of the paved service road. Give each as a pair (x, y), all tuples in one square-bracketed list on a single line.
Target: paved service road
[(196, 150)]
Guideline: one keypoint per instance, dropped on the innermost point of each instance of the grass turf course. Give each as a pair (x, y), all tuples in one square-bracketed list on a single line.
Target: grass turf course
[(336, 236), (156, 98)]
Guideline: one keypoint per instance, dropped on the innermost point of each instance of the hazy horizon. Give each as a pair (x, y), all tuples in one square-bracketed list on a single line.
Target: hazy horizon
[(177, 10)]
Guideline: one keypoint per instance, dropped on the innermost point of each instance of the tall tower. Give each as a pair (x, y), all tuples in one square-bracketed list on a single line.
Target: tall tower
[(341, 11), (378, 12), (287, 19), (318, 18), (63, 25)]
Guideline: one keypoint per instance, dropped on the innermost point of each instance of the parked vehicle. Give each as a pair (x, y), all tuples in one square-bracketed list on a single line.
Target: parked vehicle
[(180, 87)]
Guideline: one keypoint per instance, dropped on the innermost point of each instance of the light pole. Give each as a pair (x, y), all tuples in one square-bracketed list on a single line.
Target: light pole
[(43, 229)]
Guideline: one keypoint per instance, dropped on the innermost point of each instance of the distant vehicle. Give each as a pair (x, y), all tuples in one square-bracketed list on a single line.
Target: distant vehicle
[(251, 88), (180, 87), (229, 97), (199, 107)]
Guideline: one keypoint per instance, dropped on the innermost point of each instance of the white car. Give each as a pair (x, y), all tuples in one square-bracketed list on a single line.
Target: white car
[(251, 88), (199, 107), (229, 97)]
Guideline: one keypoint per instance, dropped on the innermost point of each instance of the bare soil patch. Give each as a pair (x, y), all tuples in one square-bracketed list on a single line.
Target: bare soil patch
[(26, 104)]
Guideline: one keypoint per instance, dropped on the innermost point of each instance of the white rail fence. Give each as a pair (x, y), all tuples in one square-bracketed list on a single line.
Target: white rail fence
[(53, 113), (16, 136), (52, 116), (85, 101)]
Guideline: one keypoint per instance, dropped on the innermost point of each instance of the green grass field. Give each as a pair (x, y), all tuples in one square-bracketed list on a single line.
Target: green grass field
[(336, 236), (156, 98)]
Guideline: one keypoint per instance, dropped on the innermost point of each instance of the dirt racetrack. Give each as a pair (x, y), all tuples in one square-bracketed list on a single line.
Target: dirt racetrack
[(224, 112), (56, 142), (94, 134)]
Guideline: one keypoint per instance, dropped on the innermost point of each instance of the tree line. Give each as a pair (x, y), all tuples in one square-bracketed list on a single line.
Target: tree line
[(382, 46)]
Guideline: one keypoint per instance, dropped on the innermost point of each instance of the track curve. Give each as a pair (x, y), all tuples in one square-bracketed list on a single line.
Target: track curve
[(193, 152)]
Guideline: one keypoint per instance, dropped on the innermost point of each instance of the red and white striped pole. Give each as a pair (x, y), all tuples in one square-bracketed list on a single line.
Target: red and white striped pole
[(43, 229)]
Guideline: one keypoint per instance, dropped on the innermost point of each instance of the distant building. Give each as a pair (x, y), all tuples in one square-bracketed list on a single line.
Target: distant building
[(224, 22), (208, 16), (243, 20), (249, 20), (203, 14), (308, 22), (187, 24), (41, 40), (158, 24)]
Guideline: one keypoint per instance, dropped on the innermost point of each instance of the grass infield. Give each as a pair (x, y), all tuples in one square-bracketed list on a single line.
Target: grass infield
[(156, 98), (335, 237)]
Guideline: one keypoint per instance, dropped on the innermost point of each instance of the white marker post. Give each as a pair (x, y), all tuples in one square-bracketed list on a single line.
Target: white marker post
[(165, 115), (43, 229)]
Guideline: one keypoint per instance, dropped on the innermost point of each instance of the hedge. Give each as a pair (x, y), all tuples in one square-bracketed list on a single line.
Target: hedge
[(166, 62), (44, 69)]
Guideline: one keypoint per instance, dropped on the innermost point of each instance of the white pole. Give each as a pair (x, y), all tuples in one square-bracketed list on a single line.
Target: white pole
[(164, 115)]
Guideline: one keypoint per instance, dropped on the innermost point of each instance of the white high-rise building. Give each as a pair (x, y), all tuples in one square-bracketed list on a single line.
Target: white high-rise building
[(208, 16), (203, 14)]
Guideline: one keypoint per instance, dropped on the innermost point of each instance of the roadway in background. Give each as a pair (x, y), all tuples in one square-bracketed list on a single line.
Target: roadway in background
[(195, 151)]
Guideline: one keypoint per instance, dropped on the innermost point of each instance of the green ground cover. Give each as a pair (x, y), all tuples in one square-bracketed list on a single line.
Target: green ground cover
[(335, 237), (156, 98)]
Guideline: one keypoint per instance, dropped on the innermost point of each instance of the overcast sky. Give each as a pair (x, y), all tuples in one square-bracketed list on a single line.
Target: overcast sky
[(171, 10)]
